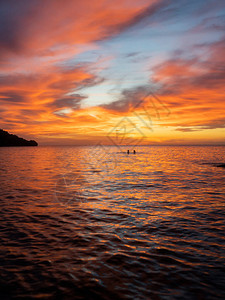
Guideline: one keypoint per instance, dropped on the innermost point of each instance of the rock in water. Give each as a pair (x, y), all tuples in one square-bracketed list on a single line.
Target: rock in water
[(221, 165)]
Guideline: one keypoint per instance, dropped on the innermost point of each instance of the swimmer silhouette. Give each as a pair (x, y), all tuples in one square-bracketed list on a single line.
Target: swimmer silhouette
[(128, 151), (134, 151)]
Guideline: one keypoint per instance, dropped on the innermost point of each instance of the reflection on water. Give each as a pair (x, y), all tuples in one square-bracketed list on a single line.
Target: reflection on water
[(96, 223)]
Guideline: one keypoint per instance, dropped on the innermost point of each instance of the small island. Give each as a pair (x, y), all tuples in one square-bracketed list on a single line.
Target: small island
[(11, 140)]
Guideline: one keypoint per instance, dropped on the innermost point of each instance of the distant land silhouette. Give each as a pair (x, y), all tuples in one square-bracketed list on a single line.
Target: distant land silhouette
[(11, 140)]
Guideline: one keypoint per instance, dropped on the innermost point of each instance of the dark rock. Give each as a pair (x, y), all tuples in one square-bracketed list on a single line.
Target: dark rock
[(221, 165), (10, 140)]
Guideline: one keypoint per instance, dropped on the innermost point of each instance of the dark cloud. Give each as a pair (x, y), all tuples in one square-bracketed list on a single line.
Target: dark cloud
[(179, 74), (72, 101), (214, 124), (164, 11), (128, 99), (30, 112), (132, 54), (89, 82), (69, 79), (11, 97), (12, 16), (141, 97), (30, 21), (54, 85), (188, 129), (213, 23), (139, 19), (212, 79), (14, 80)]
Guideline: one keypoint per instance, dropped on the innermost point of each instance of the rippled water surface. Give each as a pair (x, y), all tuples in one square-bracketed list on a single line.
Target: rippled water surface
[(96, 223)]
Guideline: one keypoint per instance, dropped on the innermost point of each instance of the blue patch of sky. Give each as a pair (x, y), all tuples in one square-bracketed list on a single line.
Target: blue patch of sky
[(134, 52)]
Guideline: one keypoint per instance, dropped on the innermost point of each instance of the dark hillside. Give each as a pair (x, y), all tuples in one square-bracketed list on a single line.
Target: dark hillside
[(10, 140)]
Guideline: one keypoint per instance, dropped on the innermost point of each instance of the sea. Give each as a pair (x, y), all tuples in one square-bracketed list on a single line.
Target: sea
[(93, 222)]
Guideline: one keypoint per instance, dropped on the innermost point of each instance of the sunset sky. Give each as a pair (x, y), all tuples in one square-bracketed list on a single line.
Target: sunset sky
[(97, 71)]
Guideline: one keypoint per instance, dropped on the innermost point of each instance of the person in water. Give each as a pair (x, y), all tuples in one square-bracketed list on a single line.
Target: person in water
[(134, 151), (128, 151)]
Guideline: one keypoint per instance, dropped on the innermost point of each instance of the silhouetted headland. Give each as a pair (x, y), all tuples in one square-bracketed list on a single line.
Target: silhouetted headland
[(11, 140)]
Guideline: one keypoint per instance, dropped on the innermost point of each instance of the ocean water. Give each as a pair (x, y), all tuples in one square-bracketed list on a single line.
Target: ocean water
[(97, 223)]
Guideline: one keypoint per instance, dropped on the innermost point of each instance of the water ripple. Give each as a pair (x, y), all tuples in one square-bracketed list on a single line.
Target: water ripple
[(143, 230)]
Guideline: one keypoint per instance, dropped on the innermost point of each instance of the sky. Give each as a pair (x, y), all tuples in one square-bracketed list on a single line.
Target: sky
[(113, 72)]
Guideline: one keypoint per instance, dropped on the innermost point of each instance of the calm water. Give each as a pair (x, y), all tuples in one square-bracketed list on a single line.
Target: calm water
[(96, 223)]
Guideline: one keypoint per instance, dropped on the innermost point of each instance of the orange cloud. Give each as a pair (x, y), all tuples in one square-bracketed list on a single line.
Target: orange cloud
[(47, 28), (194, 89), (41, 81), (37, 88)]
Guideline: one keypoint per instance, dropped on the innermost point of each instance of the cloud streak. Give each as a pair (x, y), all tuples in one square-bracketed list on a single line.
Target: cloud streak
[(57, 55)]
